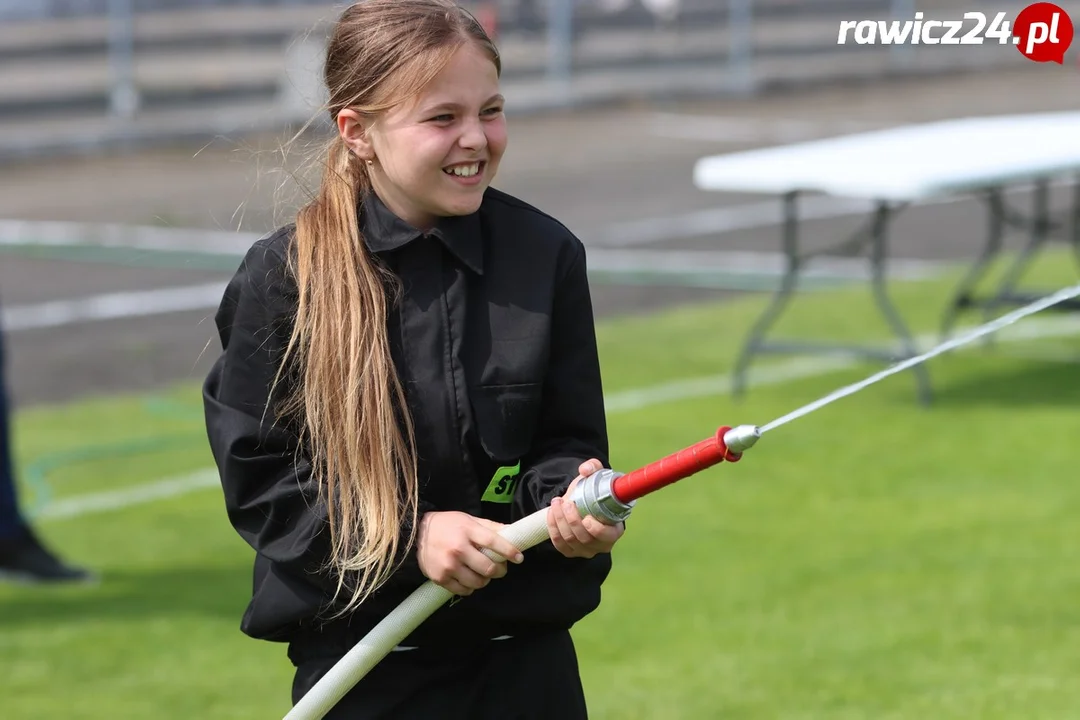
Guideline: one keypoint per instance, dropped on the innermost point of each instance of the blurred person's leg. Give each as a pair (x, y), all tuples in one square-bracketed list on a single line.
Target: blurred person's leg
[(22, 555), (10, 521)]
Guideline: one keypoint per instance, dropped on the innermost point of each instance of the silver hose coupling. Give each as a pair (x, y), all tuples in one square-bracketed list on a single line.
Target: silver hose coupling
[(741, 438), (594, 496)]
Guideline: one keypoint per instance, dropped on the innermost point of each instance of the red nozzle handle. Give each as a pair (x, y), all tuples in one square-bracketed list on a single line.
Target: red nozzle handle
[(673, 468)]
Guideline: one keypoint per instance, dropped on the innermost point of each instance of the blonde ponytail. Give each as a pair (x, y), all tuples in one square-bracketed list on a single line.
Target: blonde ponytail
[(347, 398), (362, 460)]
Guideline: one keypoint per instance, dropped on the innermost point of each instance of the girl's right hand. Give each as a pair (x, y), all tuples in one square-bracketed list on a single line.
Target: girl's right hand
[(449, 548)]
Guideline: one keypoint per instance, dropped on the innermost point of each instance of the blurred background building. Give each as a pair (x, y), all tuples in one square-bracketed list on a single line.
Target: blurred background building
[(170, 68), (132, 126)]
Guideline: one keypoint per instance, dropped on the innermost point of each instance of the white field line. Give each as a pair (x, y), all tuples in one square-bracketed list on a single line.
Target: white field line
[(51, 233), (112, 306), (739, 262), (620, 402), (660, 229), (207, 296), (92, 503), (767, 213), (234, 244), (806, 367), (605, 255), (715, 221), (643, 231), (14, 232)]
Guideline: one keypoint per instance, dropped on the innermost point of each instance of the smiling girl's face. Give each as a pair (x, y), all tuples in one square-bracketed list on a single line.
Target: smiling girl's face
[(436, 154)]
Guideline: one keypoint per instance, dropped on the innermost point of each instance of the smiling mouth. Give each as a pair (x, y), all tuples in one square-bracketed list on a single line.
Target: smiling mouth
[(466, 170)]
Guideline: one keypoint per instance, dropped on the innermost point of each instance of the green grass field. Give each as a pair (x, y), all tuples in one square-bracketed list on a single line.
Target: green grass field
[(875, 559)]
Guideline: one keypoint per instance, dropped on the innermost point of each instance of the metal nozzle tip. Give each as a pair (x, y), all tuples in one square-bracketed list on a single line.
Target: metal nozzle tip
[(742, 437)]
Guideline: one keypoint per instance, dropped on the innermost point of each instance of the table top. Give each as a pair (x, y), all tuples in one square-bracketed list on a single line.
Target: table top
[(906, 163)]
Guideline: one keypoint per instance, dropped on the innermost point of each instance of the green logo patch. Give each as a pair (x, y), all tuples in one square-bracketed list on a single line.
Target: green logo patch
[(503, 482)]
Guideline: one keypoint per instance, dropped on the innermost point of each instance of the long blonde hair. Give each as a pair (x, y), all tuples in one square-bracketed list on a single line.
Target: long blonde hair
[(347, 396)]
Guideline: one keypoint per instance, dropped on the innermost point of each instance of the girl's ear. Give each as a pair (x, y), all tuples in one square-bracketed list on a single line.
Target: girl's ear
[(353, 128)]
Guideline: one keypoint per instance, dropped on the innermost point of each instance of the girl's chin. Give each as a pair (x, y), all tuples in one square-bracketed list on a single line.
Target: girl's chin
[(463, 205)]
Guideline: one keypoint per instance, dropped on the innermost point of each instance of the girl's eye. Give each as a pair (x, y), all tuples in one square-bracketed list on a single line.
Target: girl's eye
[(442, 118), (493, 110)]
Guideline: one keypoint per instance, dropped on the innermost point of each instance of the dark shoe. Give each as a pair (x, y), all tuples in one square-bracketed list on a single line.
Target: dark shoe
[(24, 559)]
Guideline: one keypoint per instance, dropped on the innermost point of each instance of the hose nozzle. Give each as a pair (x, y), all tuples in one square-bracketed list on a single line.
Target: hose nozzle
[(595, 496), (609, 496), (742, 438)]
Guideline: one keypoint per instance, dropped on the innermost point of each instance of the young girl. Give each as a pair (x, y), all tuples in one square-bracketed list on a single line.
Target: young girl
[(408, 367)]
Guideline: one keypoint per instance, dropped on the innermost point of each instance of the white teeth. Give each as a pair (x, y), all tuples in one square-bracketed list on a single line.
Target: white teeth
[(465, 170)]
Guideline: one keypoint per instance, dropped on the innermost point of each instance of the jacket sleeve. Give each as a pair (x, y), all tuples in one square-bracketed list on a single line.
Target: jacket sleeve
[(269, 496), (572, 426)]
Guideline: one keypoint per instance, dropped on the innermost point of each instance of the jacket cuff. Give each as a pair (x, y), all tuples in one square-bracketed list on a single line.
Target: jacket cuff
[(408, 572), (541, 483)]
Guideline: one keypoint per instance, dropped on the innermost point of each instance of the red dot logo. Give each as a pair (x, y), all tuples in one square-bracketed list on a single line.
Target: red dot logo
[(1043, 32)]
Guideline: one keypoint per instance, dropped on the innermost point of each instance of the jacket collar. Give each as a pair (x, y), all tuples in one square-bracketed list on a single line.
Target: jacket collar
[(384, 231)]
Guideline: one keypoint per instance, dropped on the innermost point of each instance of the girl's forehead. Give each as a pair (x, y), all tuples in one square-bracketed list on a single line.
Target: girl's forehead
[(468, 66), (468, 79)]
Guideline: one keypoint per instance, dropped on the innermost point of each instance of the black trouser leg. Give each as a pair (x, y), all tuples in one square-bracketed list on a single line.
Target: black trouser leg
[(11, 522), (532, 678)]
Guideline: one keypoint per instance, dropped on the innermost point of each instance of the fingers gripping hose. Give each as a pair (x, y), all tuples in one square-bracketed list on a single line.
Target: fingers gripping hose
[(606, 495), (396, 626)]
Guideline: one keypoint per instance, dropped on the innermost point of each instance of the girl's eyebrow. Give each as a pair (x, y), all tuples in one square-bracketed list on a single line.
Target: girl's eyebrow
[(457, 106)]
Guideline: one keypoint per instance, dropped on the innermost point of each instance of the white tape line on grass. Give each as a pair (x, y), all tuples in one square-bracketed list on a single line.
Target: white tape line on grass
[(808, 367), (112, 306), (658, 263), (46, 233), (626, 401), (92, 503)]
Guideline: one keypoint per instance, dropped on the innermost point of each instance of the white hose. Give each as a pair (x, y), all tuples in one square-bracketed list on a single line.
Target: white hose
[(396, 626)]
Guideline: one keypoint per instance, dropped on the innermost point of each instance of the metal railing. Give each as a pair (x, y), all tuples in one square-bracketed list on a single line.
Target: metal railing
[(557, 42)]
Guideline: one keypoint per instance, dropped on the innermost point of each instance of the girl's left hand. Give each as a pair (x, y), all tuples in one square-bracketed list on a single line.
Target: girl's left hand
[(576, 536)]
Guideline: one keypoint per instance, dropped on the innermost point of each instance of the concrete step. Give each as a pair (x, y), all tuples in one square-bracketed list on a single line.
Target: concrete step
[(201, 69), (168, 77), (230, 24), (28, 139), (194, 29), (172, 75)]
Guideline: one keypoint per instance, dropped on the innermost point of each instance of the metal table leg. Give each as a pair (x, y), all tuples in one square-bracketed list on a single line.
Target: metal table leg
[(964, 295), (878, 254), (1041, 226), (755, 341), (876, 238)]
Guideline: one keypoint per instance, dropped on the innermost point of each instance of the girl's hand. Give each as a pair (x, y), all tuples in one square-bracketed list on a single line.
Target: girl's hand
[(576, 536), (449, 548)]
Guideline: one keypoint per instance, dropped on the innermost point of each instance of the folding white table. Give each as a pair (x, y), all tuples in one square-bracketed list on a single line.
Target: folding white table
[(980, 156)]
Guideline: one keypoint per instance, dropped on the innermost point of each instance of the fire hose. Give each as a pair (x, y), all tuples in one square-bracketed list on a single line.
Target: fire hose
[(607, 495)]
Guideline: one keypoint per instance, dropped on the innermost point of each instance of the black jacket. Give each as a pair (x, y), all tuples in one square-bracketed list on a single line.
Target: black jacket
[(495, 343)]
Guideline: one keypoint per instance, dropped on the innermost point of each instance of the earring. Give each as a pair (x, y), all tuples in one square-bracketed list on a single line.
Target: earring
[(370, 163)]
